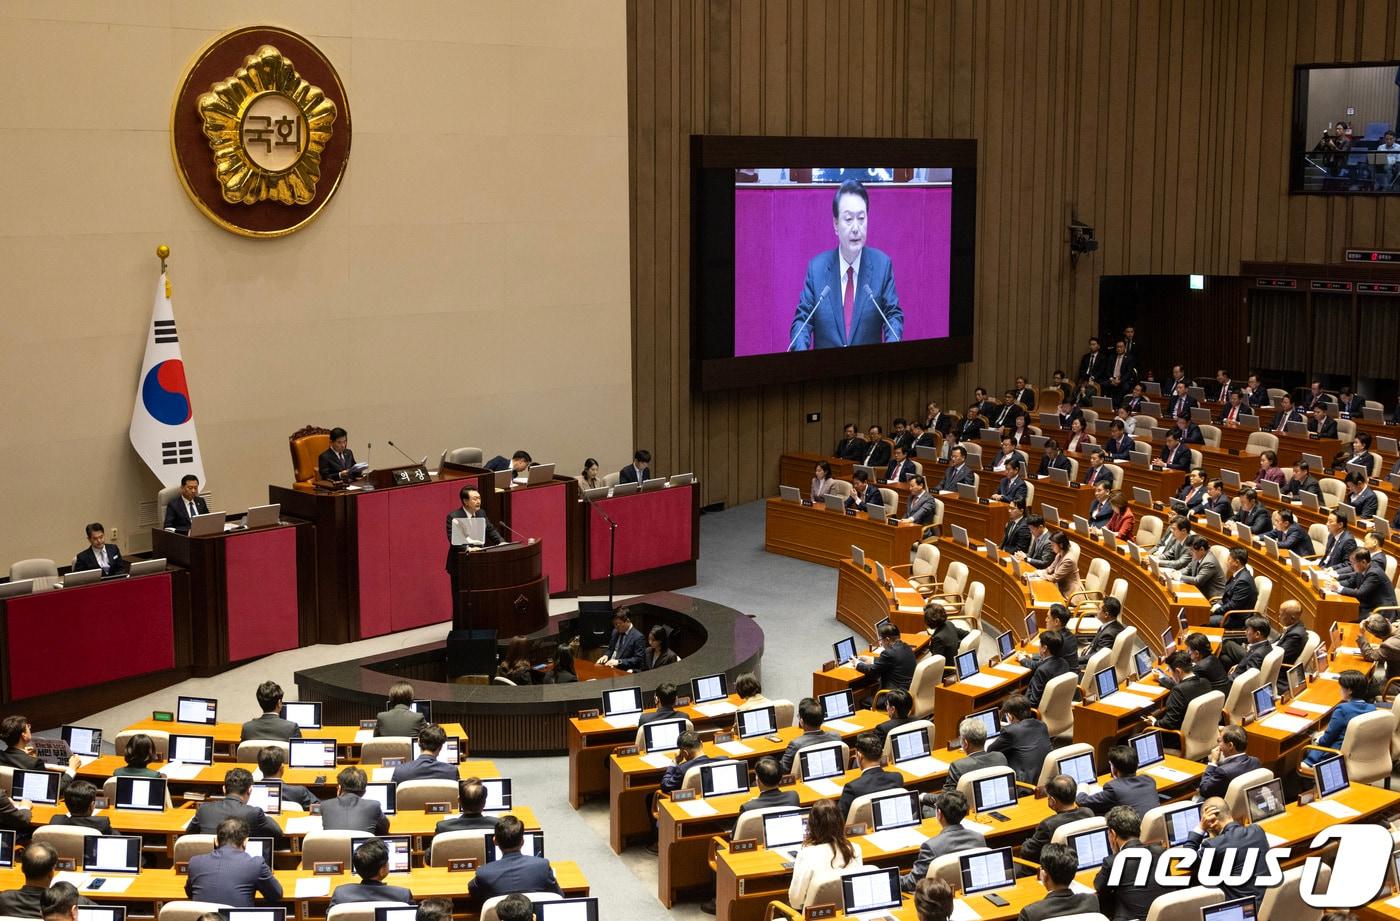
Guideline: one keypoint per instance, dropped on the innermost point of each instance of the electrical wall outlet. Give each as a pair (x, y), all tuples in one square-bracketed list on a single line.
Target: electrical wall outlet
[(112, 534)]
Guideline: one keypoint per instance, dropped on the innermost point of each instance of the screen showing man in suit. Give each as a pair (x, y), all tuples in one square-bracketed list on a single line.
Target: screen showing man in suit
[(848, 296)]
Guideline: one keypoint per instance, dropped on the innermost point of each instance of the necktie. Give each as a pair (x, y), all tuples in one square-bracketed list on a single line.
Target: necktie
[(102, 559), (849, 301), (192, 511), (1118, 367)]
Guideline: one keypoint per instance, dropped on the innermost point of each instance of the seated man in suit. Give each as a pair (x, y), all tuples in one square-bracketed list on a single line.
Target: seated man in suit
[(270, 725), (78, 797), (1219, 830), (514, 871), (1175, 455), (902, 435), (1129, 898), (1240, 594), (1185, 686), (1181, 402), (638, 470), (229, 875), (1227, 761), (898, 706), (210, 815), (1257, 646), (1060, 793), (1301, 481), (1217, 501), (336, 464), (970, 428), (877, 449), (1058, 865), (38, 863), (1236, 408), (973, 734), (1052, 664), (1007, 412), (1193, 491), (690, 753), (1203, 571), (1024, 739), (1067, 413), (958, 471), (1012, 487), (270, 763), (1016, 538), (349, 809), (950, 807), (1337, 551), (873, 776), (769, 774), (894, 666), (1379, 641), (1287, 413), (851, 446), (1126, 788), (1041, 552), (99, 554), (1023, 394), (1253, 513), (1190, 432), (1256, 395), (1007, 453), (185, 506), (1171, 552), (472, 795), (19, 752), (371, 862), (809, 720), (935, 420), (1289, 533), (400, 719), (431, 739), (922, 505), (921, 436), (1321, 425), (1100, 511), (1360, 496), (1110, 625), (1353, 405), (1367, 583), (901, 468), (627, 648), (1052, 458), (60, 902), (1315, 397), (1120, 443), (665, 696), (863, 492)]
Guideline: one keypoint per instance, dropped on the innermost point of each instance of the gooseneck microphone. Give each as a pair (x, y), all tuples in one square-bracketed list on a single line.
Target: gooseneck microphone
[(808, 319), (422, 462), (894, 336)]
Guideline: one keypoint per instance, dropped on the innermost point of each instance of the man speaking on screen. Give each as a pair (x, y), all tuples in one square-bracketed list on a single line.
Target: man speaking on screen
[(848, 297)]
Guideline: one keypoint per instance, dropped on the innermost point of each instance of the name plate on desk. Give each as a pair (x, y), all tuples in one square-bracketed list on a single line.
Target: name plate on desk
[(328, 867), (368, 724), (402, 476), (857, 830), (818, 912), (682, 796), (624, 750), (743, 845), (592, 714), (723, 737), (437, 808), (683, 701), (460, 864)]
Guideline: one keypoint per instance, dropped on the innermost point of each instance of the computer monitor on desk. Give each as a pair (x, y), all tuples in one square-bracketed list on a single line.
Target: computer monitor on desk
[(208, 525)]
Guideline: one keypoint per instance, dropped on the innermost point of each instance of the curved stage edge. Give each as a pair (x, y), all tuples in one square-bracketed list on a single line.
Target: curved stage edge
[(505, 720)]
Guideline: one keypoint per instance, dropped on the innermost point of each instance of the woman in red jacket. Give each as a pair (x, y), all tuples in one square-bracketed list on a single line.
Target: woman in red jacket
[(1123, 523)]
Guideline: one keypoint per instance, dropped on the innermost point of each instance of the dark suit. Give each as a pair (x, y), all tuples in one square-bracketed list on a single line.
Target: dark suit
[(209, 814), (1025, 396), (1093, 365), (425, 767), (808, 737), (872, 780), (1328, 428), (629, 649), (1017, 536), (331, 467), (1126, 901), (1006, 415), (99, 822), (369, 890), (1253, 658), (1041, 551), (1119, 448), (1206, 575), (1234, 840), (1025, 745), (1240, 594), (1030, 849), (922, 507), (877, 454), (1193, 496), (514, 872), (1338, 549), (1365, 503), (1180, 407), (974, 761), (1220, 506), (850, 448), (1232, 414), (630, 474), (1059, 903), (1258, 397), (884, 729), (230, 876), (1213, 670), (1137, 791), (1294, 539), (291, 793), (1191, 687), (969, 430), (674, 775), (1101, 474), (400, 720), (955, 474), (1176, 458), (493, 537), (660, 713), (12, 816), (772, 799), (465, 822), (949, 840), (894, 666), (270, 726), (1216, 780), (1283, 418), (871, 496), (945, 641), (1370, 588), (1059, 461), (1257, 519), (1048, 668), (116, 563), (1307, 484), (899, 472), (177, 513), (1012, 488), (348, 811), (1104, 637), (827, 326), (1100, 513)]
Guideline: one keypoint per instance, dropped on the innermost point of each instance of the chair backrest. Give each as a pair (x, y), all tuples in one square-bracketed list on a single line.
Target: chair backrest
[(928, 675), (1265, 587), (1234, 793), (925, 725), (890, 498), (160, 739), (1119, 590), (1198, 727), (838, 487), (1057, 704), (1090, 417), (955, 578), (1382, 506), (974, 598), (469, 455), (164, 498), (1116, 472), (641, 738), (1099, 661), (1309, 648), (1268, 671), (948, 867), (1074, 553), (1196, 458), (413, 795), (1334, 492), (970, 642), (1061, 834), (1317, 533), (1366, 746), (860, 811), (784, 711), (1221, 554), (249, 749), (750, 824), (925, 561), (1211, 433), (187, 846), (488, 908), (1048, 767), (307, 444), (337, 844), (1285, 900), (1149, 532), (1240, 701), (67, 840), (1259, 442), (824, 888), (1154, 825), (36, 568), (1123, 644), (375, 750), (185, 910), (1096, 579), (966, 781), (357, 911), (1030, 495), (611, 479), (451, 845), (1346, 430), (1184, 904), (1074, 469)]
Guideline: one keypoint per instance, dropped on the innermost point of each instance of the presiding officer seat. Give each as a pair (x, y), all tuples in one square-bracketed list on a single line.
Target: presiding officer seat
[(473, 456), (307, 444)]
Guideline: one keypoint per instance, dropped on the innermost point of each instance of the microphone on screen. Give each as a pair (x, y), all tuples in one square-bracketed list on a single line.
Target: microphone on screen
[(894, 336), (808, 318)]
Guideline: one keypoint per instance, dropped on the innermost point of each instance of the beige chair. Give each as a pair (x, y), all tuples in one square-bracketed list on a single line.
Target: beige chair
[(928, 675), (784, 711), (1309, 649), (1197, 735), (1097, 662), (66, 840), (1365, 748), (1234, 793), (1275, 393), (358, 911), (1382, 510), (488, 908), (1286, 900), (1094, 586), (825, 888), (861, 812), (1030, 496), (947, 867), (922, 573), (1184, 904), (971, 610), (472, 456), (641, 738), (966, 781), (160, 739), (1317, 533), (7, 779), (377, 749), (453, 845), (1057, 705), (1149, 532), (413, 795), (1116, 471), (918, 466), (1119, 590), (1346, 430), (1051, 765), (187, 846), (1122, 649), (1154, 824), (1211, 433), (1334, 492), (1259, 442), (109, 790), (1239, 703), (36, 568), (249, 749), (970, 642), (184, 910), (839, 488), (1074, 469), (954, 581), (329, 845), (890, 499), (610, 479), (1197, 458), (1061, 834), (1268, 671), (912, 726)]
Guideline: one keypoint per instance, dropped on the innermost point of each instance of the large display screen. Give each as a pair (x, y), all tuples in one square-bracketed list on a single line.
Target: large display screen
[(805, 269), (1344, 121)]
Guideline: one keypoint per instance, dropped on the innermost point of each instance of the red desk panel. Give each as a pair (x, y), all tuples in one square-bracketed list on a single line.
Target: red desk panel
[(104, 632), (261, 574), (654, 529), (540, 512)]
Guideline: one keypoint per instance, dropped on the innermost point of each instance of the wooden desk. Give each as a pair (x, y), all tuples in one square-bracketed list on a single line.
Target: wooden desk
[(862, 602), (953, 703), (226, 737), (1299, 824), (817, 535), (1027, 891), (1102, 725), (657, 541), (1068, 500)]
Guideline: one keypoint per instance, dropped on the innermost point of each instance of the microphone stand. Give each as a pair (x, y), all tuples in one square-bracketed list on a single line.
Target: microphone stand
[(808, 319), (894, 337), (612, 550)]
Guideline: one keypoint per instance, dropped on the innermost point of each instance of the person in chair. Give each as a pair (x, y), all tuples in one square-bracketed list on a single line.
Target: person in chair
[(270, 725), (349, 809), (472, 794), (100, 554), (185, 506), (400, 719), (426, 766), (336, 464), (638, 470), (371, 862), (229, 875)]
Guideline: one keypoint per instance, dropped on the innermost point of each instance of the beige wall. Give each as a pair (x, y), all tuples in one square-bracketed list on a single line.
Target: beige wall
[(468, 284)]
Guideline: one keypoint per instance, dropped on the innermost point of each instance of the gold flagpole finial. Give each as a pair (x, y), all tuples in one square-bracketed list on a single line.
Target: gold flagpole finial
[(163, 253)]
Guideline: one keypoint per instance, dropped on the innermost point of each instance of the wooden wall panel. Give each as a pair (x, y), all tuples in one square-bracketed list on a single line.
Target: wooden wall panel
[(1163, 123)]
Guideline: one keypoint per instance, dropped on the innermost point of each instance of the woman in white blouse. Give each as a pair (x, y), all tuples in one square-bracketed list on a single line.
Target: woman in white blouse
[(821, 481), (825, 853), (1077, 436)]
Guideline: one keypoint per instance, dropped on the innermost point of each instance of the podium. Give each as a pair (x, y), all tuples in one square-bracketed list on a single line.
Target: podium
[(496, 591)]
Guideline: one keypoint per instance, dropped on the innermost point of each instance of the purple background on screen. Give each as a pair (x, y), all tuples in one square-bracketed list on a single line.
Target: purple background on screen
[(777, 231)]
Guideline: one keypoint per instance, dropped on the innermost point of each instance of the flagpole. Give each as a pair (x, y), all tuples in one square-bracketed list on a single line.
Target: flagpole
[(163, 253)]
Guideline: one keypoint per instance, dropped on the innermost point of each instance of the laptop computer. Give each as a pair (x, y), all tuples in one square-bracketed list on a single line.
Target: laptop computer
[(311, 753), (758, 721), (544, 473), (596, 493), (267, 796), (1059, 475), (208, 525), (395, 912), (1249, 422), (834, 503), (1230, 478), (1148, 747), (451, 752), (966, 664), (720, 778), (498, 792), (112, 854), (532, 847), (959, 535), (1200, 415), (1265, 800), (263, 516), (106, 912), (986, 871), (967, 492), (584, 909), (681, 479), (39, 787), (1234, 910), (662, 735), (622, 701), (992, 793), (991, 720), (82, 577), (1050, 513), (1180, 821), (305, 713), (709, 687), (1330, 774), (1091, 847), (185, 749), (17, 588), (898, 809), (203, 711), (844, 650), (1314, 462), (870, 890), (837, 705), (144, 794), (785, 831), (83, 741), (626, 489), (147, 567), (819, 762), (385, 794), (790, 494)]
